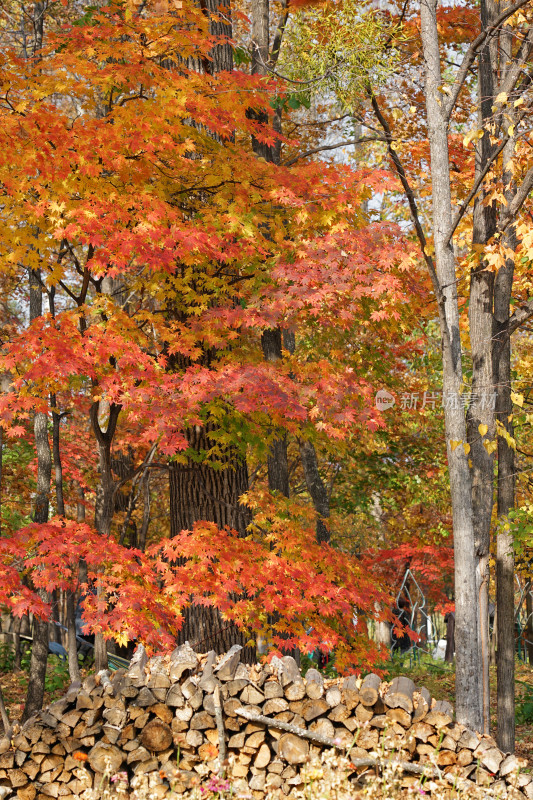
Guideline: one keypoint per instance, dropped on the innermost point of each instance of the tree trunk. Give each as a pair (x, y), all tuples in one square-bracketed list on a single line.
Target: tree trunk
[(317, 490), (104, 505), (481, 409), (199, 491), (58, 468), (469, 696), (529, 622), (271, 339), (39, 651), (501, 343)]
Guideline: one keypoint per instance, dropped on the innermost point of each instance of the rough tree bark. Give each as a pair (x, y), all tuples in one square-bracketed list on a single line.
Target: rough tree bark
[(317, 489), (39, 652), (501, 358), (481, 410), (469, 695), (199, 491), (271, 339), (105, 496)]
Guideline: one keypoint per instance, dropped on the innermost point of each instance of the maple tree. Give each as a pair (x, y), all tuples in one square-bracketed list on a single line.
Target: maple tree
[(167, 250)]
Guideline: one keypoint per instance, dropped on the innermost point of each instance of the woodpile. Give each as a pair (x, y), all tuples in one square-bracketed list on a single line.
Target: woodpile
[(175, 719)]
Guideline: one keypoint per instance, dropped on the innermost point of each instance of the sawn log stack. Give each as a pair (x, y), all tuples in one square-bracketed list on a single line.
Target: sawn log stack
[(171, 718)]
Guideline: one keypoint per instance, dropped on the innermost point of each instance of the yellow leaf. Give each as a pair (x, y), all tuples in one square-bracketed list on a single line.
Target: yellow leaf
[(510, 130), (483, 429), (518, 102), (518, 399), (502, 97), (490, 445), (466, 448), (454, 444)]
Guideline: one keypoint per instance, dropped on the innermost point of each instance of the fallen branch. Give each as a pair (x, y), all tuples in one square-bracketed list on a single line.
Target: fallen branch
[(220, 728), (318, 738)]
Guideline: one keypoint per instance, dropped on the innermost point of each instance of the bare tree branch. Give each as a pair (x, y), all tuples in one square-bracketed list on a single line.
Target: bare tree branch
[(408, 193), (471, 54), (472, 193), (276, 44), (520, 197), (520, 316), (361, 140)]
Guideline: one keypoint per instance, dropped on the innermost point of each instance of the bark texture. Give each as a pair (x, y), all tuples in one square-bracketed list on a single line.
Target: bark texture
[(501, 344), (469, 695), (200, 491), (317, 489), (39, 652)]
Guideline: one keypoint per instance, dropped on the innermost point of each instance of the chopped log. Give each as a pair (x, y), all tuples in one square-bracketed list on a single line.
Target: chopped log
[(145, 698), (369, 690), (400, 694), (512, 763), (469, 739), (182, 659), (236, 741), (275, 706), (364, 713), (440, 715), (27, 792), (367, 738), (202, 720), (293, 749), (422, 702), (252, 696), (289, 672), (255, 740), (174, 696), (17, 778), (324, 727), (421, 731), (236, 686), (491, 759), (227, 667), (183, 714), (314, 708), (339, 714), (445, 758), (194, 738), (7, 760), (295, 691), (103, 756), (220, 728), (349, 692), (464, 757), (272, 689), (314, 686), (399, 715), (334, 697), (156, 736)]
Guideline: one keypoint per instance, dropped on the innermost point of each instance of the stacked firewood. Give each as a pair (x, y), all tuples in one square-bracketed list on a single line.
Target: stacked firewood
[(178, 720)]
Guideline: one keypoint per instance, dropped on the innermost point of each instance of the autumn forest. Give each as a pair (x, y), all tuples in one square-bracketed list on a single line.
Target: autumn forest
[(266, 294)]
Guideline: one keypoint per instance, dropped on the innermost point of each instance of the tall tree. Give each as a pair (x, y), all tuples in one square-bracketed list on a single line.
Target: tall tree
[(39, 650)]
